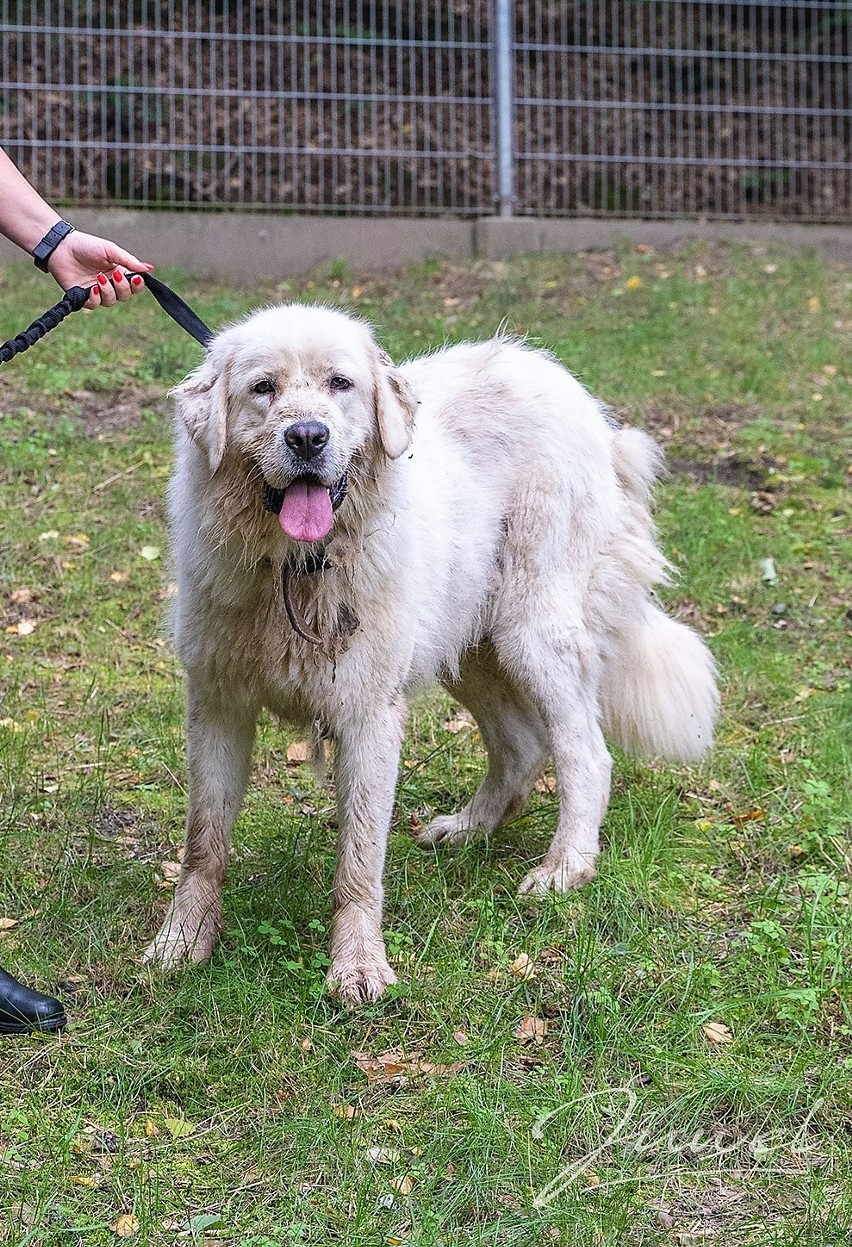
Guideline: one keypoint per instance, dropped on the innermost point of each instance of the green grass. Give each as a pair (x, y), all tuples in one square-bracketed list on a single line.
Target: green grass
[(225, 1105)]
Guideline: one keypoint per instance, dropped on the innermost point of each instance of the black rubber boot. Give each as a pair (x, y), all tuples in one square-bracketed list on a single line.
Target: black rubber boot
[(23, 1010)]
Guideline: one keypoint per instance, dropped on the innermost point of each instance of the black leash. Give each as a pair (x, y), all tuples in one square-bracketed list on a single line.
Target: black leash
[(75, 298)]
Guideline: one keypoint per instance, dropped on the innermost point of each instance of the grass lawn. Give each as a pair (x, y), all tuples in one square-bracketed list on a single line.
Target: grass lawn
[(664, 1057)]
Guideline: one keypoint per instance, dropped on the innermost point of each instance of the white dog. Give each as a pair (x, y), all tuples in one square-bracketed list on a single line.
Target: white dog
[(346, 531)]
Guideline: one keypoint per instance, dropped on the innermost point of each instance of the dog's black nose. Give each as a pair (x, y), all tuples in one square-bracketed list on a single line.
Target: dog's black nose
[(306, 438)]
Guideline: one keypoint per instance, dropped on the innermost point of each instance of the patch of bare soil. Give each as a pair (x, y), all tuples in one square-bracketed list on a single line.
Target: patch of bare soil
[(96, 412), (99, 413)]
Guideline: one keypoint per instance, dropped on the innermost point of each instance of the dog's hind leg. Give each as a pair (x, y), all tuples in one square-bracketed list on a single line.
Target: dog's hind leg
[(516, 742), (220, 734), (559, 667)]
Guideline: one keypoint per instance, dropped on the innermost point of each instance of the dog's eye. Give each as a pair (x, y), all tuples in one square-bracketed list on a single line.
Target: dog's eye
[(339, 383), (263, 387)]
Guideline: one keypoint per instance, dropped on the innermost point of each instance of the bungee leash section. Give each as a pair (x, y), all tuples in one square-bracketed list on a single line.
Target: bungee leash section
[(76, 298)]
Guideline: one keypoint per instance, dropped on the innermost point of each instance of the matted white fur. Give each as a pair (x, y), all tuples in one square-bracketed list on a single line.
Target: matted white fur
[(495, 536)]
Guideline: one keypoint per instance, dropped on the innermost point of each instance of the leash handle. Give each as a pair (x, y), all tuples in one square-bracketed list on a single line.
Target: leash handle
[(77, 296)]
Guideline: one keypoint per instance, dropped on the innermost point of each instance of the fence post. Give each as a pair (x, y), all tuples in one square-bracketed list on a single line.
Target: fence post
[(504, 104)]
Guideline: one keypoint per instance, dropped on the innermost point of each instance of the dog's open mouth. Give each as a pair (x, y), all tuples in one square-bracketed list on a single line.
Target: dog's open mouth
[(305, 509)]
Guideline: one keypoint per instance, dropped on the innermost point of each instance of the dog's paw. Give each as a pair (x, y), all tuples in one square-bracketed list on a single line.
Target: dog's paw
[(358, 982), (182, 940), (448, 830), (563, 877)]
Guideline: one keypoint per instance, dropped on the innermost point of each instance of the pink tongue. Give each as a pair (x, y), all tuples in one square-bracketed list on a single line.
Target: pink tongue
[(306, 513)]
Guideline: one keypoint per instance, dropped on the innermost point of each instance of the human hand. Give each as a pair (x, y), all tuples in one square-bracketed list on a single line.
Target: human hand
[(85, 260)]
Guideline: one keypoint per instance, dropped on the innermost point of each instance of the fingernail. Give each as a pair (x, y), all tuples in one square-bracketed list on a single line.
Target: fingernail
[(102, 279), (136, 281), (117, 275)]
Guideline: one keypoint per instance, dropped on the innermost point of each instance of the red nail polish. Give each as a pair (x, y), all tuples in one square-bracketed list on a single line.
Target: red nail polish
[(136, 281), (117, 275), (102, 279)]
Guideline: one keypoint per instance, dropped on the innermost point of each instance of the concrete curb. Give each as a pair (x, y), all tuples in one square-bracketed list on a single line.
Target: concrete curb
[(242, 247)]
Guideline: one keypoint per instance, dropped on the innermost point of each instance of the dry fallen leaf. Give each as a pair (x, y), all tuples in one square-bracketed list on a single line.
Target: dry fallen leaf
[(395, 1066), (306, 1044), (546, 784), (151, 1129), (170, 871), (522, 966), (18, 597), (6, 924), (750, 816), (383, 1155), (460, 1037), (90, 1181), (346, 1111), (531, 1030), (24, 627), (717, 1032), (462, 722), (126, 1226), (119, 577), (403, 1185), (298, 753)]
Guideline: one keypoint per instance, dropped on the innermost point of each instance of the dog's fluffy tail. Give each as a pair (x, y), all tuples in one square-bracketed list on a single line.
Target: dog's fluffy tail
[(659, 692)]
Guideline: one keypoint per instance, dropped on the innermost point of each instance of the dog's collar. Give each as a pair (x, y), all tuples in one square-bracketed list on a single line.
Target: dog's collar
[(273, 499)]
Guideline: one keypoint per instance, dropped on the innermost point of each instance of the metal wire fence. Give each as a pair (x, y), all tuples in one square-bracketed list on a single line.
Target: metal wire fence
[(642, 107)]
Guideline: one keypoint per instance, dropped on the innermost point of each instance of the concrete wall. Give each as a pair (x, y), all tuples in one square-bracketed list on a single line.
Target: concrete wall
[(244, 246)]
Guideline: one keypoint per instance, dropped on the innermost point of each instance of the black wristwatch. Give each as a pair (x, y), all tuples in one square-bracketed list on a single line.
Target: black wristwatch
[(49, 243)]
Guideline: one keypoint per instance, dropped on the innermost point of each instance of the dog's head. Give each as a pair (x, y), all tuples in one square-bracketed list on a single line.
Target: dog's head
[(301, 393)]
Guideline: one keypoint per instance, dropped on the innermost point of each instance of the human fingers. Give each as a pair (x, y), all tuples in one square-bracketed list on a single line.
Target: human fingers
[(107, 291), (120, 285), (126, 259)]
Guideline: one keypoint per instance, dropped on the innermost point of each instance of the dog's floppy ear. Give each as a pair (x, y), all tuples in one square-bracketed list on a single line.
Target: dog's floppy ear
[(202, 403), (395, 408)]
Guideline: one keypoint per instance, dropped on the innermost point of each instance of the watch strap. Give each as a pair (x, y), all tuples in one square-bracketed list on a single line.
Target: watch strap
[(48, 244)]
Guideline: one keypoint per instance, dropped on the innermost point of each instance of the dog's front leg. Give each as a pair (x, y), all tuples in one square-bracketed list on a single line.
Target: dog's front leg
[(220, 733), (366, 765)]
